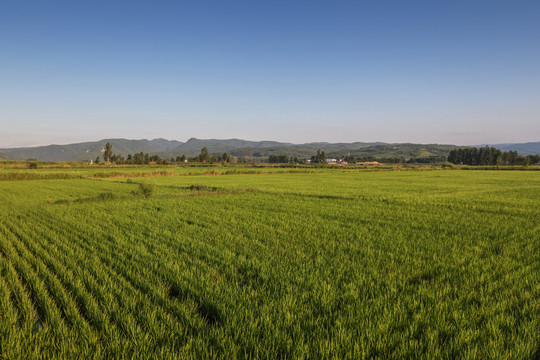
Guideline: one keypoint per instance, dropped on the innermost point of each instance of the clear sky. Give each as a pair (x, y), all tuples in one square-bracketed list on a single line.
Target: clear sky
[(462, 72)]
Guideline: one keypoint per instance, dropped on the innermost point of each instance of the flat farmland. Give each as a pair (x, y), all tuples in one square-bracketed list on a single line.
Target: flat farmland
[(277, 263)]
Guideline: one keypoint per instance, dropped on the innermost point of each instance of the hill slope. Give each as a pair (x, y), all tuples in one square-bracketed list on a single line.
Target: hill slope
[(90, 150), (237, 147), (193, 146)]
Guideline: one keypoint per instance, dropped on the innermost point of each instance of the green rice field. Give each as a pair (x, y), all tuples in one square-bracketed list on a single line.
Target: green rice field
[(275, 263)]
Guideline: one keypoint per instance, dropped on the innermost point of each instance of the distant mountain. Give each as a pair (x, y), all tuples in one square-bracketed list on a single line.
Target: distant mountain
[(193, 146), (330, 147), (163, 144), (529, 148), (236, 147), (90, 150)]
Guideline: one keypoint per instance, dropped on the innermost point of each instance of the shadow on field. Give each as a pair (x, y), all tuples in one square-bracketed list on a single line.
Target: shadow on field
[(424, 276), (108, 196), (206, 309)]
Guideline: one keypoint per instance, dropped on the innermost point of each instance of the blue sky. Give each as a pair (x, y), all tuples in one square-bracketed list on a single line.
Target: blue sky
[(462, 72)]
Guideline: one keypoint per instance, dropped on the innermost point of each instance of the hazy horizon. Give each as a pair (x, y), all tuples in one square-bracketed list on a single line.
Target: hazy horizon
[(463, 73), (307, 142)]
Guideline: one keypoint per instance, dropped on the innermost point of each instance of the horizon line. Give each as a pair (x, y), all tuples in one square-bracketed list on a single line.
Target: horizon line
[(10, 147)]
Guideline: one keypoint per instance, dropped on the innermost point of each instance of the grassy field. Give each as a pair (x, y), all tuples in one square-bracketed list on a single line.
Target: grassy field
[(272, 263)]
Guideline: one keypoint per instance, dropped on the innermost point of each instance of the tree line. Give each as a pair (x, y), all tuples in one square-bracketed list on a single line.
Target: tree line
[(432, 159), (466, 156), (137, 159), (490, 156), (282, 159), (145, 158)]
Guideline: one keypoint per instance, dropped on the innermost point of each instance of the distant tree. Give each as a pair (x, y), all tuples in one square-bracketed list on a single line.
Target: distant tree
[(532, 159), (317, 158), (514, 157), (453, 156), (225, 157), (107, 153), (97, 160), (138, 158), (320, 158), (274, 159), (204, 156), (181, 158)]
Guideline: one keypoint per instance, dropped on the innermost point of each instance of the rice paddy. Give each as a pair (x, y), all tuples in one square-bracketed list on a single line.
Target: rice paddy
[(272, 263)]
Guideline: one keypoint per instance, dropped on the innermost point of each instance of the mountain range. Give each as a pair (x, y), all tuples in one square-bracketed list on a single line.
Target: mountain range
[(237, 147)]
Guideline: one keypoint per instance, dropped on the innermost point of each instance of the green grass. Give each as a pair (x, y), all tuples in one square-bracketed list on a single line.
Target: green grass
[(321, 264)]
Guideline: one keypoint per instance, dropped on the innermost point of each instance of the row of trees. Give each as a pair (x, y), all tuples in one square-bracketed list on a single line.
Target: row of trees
[(137, 159), (490, 156), (275, 159), (205, 156), (433, 159), (145, 158), (467, 156)]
